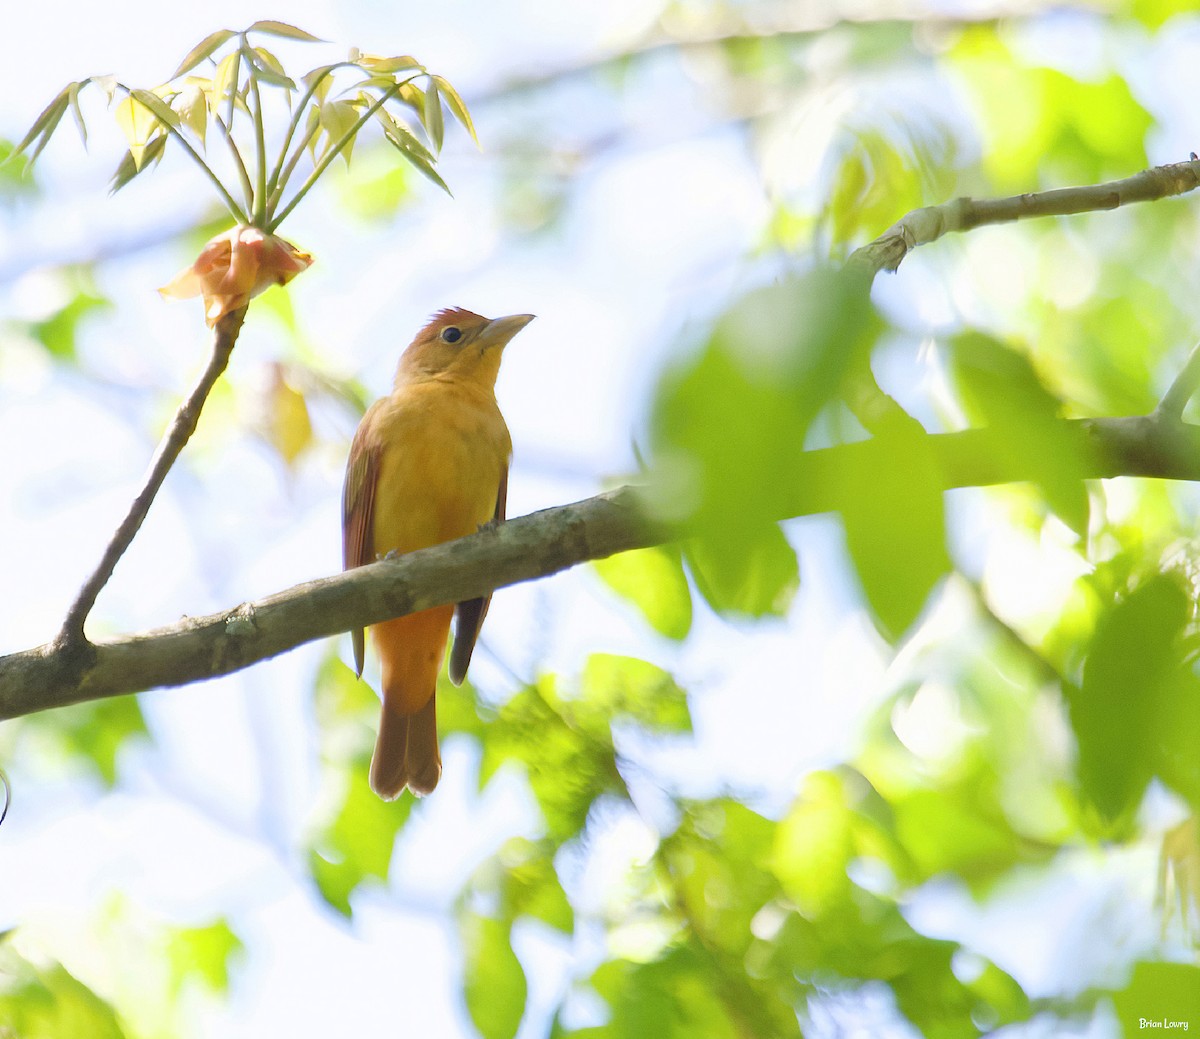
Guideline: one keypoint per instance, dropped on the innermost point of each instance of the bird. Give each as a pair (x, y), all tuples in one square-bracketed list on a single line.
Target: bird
[(428, 463)]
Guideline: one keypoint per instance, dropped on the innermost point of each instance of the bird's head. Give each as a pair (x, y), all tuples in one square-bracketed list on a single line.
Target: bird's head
[(460, 343)]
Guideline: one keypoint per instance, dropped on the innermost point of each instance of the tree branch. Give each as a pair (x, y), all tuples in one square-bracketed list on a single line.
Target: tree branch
[(528, 548), (177, 435), (922, 226)]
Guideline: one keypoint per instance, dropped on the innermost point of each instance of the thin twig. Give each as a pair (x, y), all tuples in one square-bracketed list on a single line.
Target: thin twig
[(922, 226), (1182, 389), (182, 427)]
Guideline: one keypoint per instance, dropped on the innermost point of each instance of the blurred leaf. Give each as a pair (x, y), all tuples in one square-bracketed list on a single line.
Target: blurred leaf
[(269, 68), (58, 332), (568, 767), (204, 49), (895, 524), (95, 732), (999, 387), (1133, 673), (652, 579), (493, 982), (520, 881), (353, 841), (203, 953), (1164, 994), (47, 1002), (750, 576), (729, 421), (616, 687)]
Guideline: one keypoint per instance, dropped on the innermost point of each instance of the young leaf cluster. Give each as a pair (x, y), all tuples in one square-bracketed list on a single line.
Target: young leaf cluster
[(222, 90)]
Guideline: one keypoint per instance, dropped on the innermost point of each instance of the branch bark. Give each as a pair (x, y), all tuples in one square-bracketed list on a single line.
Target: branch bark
[(174, 439), (525, 549), (926, 225)]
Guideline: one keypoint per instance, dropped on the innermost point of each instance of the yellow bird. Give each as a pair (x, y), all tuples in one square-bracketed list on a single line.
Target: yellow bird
[(428, 464)]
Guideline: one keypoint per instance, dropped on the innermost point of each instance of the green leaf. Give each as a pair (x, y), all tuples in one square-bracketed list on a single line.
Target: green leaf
[(619, 687), (895, 524), (73, 96), (652, 579), (388, 66), (1159, 996), (337, 120), (457, 106), (494, 984), (130, 168), (289, 32), (522, 881), (204, 953), (416, 153), (95, 732), (47, 1002), (568, 765), (999, 387), (58, 332), (1132, 678), (750, 575), (44, 125), (730, 420), (163, 112), (205, 48), (432, 117), (269, 68)]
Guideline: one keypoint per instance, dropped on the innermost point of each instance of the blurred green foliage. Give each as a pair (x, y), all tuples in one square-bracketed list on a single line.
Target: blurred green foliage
[(1012, 730)]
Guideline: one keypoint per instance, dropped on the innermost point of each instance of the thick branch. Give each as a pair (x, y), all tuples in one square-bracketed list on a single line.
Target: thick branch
[(524, 549), (181, 429), (922, 226)]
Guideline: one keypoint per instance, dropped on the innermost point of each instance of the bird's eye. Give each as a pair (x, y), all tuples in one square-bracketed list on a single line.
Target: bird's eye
[(451, 334)]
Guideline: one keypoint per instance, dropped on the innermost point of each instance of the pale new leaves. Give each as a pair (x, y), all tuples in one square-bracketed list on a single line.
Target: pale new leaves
[(219, 89)]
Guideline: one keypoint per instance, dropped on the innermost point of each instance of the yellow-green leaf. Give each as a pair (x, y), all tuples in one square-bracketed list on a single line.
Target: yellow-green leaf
[(652, 579), (457, 106), (432, 117), (205, 48), (73, 96), (290, 32), (192, 107), (45, 123)]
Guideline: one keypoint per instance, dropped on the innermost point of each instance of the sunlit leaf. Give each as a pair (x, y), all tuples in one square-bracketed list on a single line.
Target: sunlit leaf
[(493, 982), (44, 125), (337, 120), (652, 579), (269, 68), (48, 1002), (224, 80), (1122, 710), (1167, 994), (204, 49), (432, 117), (290, 32), (192, 106), (129, 168), (73, 95), (204, 953), (751, 573), (895, 524), (457, 106), (626, 687), (386, 66)]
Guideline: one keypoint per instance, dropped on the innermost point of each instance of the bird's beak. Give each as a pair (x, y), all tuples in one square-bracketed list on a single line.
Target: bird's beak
[(500, 330)]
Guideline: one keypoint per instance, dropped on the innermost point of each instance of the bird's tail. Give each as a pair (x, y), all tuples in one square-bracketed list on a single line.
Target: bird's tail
[(406, 752), (411, 650)]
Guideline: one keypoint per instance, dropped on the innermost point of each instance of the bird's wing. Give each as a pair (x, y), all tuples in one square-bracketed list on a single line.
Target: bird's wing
[(468, 616), (358, 513)]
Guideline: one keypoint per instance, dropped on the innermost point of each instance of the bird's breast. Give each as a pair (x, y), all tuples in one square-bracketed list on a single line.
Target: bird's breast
[(443, 452)]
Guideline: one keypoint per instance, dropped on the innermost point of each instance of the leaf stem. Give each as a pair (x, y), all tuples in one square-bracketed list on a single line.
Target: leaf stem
[(260, 142), (281, 172), (239, 163), (230, 202), (177, 435), (335, 150)]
